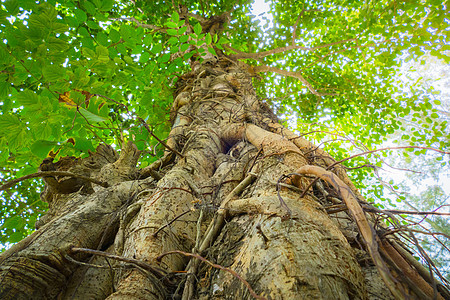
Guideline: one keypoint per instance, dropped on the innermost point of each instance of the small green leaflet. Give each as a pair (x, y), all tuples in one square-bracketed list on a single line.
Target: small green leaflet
[(182, 30), (156, 48), (175, 17), (165, 58), (171, 24), (208, 39), (172, 31), (197, 28)]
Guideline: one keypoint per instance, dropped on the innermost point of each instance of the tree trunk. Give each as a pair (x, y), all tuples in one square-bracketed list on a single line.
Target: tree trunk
[(217, 198)]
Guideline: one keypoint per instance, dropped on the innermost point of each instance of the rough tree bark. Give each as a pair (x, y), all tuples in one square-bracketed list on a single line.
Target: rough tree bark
[(220, 197)]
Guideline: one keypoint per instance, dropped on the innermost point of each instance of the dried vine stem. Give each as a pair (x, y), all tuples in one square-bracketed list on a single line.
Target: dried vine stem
[(51, 173), (235, 274)]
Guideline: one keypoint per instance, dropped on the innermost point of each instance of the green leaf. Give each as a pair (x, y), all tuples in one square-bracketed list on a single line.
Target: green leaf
[(88, 53), (148, 40), (16, 237), (107, 5), (42, 148), (27, 98), (80, 15), (92, 25), (84, 144), (189, 55), (126, 31), (44, 132), (57, 45), (12, 222), (184, 47), (171, 25), (114, 36), (172, 31), (144, 57), (59, 27), (165, 58), (9, 123), (5, 89), (12, 6), (197, 28), (53, 73), (184, 38), (156, 48), (91, 117), (208, 39), (182, 30), (173, 40), (212, 51), (90, 8), (102, 52), (4, 56), (175, 17), (223, 40)]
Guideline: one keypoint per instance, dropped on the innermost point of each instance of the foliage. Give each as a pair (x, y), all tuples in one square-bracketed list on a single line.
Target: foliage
[(74, 74)]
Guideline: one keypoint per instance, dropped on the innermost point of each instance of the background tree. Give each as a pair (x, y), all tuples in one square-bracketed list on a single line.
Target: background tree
[(221, 190)]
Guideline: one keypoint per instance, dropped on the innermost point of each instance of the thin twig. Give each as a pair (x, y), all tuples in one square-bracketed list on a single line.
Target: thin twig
[(297, 75), (282, 203), (242, 55), (406, 212), (387, 148), (168, 224), (159, 273), (160, 141), (69, 258)]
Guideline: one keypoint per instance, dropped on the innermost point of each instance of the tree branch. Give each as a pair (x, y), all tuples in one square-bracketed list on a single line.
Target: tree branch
[(297, 75), (51, 173), (258, 55), (139, 24), (197, 17)]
